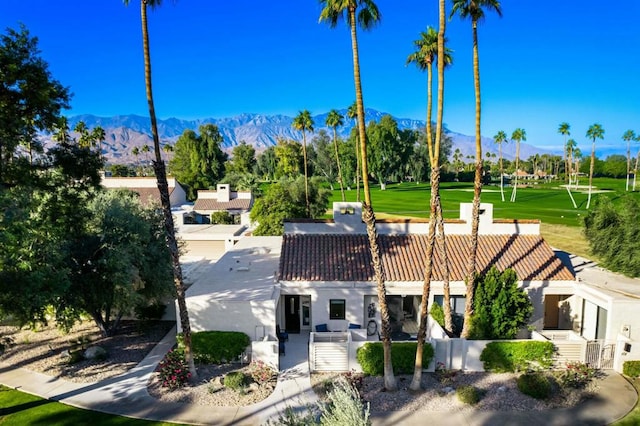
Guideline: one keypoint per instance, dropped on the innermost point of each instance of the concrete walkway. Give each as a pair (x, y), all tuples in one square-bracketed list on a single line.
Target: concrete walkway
[(127, 395)]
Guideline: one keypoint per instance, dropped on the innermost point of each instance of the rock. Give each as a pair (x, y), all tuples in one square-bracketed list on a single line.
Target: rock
[(502, 389), (448, 390), (95, 352)]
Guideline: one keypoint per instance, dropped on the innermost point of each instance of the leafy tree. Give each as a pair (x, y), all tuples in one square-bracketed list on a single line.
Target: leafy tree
[(389, 148), (285, 200), (324, 161), (615, 166), (243, 158), (163, 188), (594, 132), (30, 101), (475, 10), (499, 139), (501, 307), (628, 136), (289, 158), (613, 232), (334, 120), (199, 161), (267, 164), (120, 170), (303, 122)]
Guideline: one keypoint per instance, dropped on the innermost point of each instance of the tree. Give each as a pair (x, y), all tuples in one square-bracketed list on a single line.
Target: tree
[(518, 135), (145, 150), (501, 307), (136, 152), (635, 169), (388, 148), (199, 161), (364, 13), (324, 161), (474, 9), (168, 149), (243, 158), (436, 216), (30, 100), (628, 136), (267, 164), (570, 147), (594, 132), (352, 112), (334, 120), (163, 188), (499, 139), (285, 200), (612, 233), (288, 158), (303, 122), (564, 129)]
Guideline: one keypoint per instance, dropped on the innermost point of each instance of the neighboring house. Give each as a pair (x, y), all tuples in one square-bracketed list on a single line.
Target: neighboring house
[(223, 199), (147, 188), (319, 274)]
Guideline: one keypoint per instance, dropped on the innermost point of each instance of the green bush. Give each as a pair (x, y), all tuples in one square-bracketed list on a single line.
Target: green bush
[(370, 356), (534, 384), (345, 407), (236, 380), (437, 313), (631, 368), (221, 218), (216, 347), (154, 311), (576, 375), (468, 394), (501, 357), (173, 370)]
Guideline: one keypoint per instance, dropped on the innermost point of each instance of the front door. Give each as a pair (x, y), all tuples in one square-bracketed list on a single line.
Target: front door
[(292, 314)]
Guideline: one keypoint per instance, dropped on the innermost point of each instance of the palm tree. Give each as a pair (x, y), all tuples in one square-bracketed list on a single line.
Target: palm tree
[(628, 136), (136, 152), (474, 9), (436, 217), (635, 169), (570, 146), (304, 122), (499, 139), (145, 149), (352, 113), (577, 155), (594, 132), (518, 135), (98, 135), (334, 120), (563, 129), (366, 14), (163, 188)]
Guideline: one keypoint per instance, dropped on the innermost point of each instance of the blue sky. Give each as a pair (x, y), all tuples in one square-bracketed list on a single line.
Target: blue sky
[(542, 63)]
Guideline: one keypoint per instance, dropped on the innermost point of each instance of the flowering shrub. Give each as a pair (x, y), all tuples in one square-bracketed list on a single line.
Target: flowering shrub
[(261, 372), (173, 369), (577, 375)]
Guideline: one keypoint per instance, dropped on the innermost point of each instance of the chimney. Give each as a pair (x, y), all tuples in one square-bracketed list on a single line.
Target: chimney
[(223, 191)]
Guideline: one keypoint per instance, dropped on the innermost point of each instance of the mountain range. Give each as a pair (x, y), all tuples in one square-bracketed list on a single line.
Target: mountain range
[(124, 132)]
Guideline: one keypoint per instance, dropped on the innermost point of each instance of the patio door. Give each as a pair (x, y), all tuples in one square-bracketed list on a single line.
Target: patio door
[(292, 314)]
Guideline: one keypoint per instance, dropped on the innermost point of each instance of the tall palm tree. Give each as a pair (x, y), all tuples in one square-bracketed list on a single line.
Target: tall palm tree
[(499, 139), (577, 155), (136, 152), (352, 113), (145, 149), (594, 132), (365, 13), (98, 135), (436, 217), (628, 136), (475, 10), (518, 135), (334, 120), (163, 188), (564, 129), (303, 122), (570, 146)]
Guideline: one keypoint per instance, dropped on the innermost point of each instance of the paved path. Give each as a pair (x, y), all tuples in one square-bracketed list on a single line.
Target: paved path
[(127, 395)]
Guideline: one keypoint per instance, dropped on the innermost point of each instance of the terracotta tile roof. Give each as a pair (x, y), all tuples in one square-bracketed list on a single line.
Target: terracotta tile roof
[(211, 204), (148, 196), (315, 257)]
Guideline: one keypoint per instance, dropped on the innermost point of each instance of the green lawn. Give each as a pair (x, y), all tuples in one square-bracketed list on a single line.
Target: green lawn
[(548, 202), (633, 418), (18, 408)]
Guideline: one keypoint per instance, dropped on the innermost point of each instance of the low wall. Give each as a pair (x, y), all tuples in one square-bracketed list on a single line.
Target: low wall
[(267, 352)]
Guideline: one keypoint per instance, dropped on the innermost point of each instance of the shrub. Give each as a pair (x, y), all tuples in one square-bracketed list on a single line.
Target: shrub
[(445, 375), (345, 408), (221, 218), (535, 385), (501, 357), (370, 356), (437, 313), (468, 394), (236, 380), (154, 311), (576, 375), (261, 372), (173, 369), (216, 347), (631, 368)]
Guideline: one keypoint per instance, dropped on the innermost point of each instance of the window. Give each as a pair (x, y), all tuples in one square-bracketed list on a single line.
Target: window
[(337, 309)]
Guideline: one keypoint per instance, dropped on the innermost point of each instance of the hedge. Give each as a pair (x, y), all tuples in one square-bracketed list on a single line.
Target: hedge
[(631, 368), (370, 356), (501, 357), (216, 347)]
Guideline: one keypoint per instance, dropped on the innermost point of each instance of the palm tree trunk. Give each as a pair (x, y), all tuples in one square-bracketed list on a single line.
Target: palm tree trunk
[(501, 173), (335, 145), (514, 191), (477, 189), (306, 175), (368, 214), (628, 164), (635, 172), (163, 187), (448, 322), (358, 165), (593, 161)]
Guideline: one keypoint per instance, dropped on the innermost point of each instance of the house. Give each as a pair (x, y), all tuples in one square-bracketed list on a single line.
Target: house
[(318, 276), (223, 199), (147, 188)]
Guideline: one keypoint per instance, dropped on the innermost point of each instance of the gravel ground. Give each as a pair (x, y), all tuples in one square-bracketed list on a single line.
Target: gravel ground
[(499, 392)]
